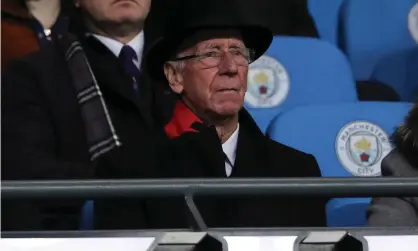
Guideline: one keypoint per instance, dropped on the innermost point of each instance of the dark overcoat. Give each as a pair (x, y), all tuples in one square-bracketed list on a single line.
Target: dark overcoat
[(43, 134), (196, 152)]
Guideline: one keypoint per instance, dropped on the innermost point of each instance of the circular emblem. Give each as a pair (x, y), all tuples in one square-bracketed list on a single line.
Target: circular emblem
[(268, 83), (413, 22), (361, 146)]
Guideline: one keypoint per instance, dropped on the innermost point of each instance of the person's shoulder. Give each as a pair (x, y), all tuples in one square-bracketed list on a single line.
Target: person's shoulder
[(21, 68), (37, 70), (295, 162), (396, 164), (40, 58), (288, 151)]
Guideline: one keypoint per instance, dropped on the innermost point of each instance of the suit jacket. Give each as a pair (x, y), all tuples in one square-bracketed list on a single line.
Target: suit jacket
[(196, 152), (43, 135), (400, 211)]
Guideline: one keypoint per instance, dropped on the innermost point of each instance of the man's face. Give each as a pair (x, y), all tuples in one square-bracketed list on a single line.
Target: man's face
[(212, 89), (116, 11)]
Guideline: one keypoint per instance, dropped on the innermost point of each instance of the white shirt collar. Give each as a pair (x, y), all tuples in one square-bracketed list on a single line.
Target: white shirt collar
[(137, 43), (230, 150)]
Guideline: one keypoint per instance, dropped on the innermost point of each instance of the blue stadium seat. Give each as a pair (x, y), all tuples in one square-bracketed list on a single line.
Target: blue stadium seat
[(325, 14), (297, 71), (400, 71), (347, 140), (87, 214), (371, 29)]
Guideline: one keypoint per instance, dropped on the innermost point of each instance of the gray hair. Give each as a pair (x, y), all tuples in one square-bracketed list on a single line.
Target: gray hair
[(178, 65)]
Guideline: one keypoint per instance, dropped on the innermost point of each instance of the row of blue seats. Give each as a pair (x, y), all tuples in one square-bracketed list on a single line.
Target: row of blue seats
[(302, 92), (298, 71), (368, 31)]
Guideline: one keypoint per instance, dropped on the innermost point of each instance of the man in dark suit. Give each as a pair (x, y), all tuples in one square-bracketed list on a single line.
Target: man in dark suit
[(81, 110), (205, 59)]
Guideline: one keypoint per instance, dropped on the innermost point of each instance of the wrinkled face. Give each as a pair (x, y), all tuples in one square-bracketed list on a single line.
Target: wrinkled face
[(115, 11), (213, 84)]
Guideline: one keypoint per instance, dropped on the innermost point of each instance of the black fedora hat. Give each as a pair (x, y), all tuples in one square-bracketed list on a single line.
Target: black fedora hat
[(189, 16)]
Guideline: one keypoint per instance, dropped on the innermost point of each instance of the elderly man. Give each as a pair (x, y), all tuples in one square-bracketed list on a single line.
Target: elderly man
[(205, 57), (81, 110)]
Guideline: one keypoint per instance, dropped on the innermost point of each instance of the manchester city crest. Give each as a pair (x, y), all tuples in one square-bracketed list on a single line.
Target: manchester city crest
[(268, 83), (361, 146), (413, 22)]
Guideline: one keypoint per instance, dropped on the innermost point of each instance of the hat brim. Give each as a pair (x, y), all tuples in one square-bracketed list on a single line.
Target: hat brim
[(257, 38)]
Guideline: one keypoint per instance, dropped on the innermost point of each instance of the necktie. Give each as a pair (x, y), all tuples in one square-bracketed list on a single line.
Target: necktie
[(229, 166), (127, 56)]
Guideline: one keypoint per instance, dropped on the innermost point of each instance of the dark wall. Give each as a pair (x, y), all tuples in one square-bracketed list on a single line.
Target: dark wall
[(288, 17)]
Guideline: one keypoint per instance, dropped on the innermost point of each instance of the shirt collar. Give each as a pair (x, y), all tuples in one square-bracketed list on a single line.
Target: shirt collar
[(230, 146), (137, 43)]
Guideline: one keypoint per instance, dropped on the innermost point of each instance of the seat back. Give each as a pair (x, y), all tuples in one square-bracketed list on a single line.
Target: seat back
[(325, 14), (87, 216), (399, 70), (372, 29), (297, 71), (347, 140)]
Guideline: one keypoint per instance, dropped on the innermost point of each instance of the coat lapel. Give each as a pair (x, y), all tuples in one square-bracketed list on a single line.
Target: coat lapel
[(109, 74), (145, 99), (251, 160)]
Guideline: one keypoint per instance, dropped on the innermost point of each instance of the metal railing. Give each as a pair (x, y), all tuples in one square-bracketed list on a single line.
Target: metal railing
[(327, 187)]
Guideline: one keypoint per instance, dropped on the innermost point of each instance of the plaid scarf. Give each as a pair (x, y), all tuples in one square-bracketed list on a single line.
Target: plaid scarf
[(100, 132)]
